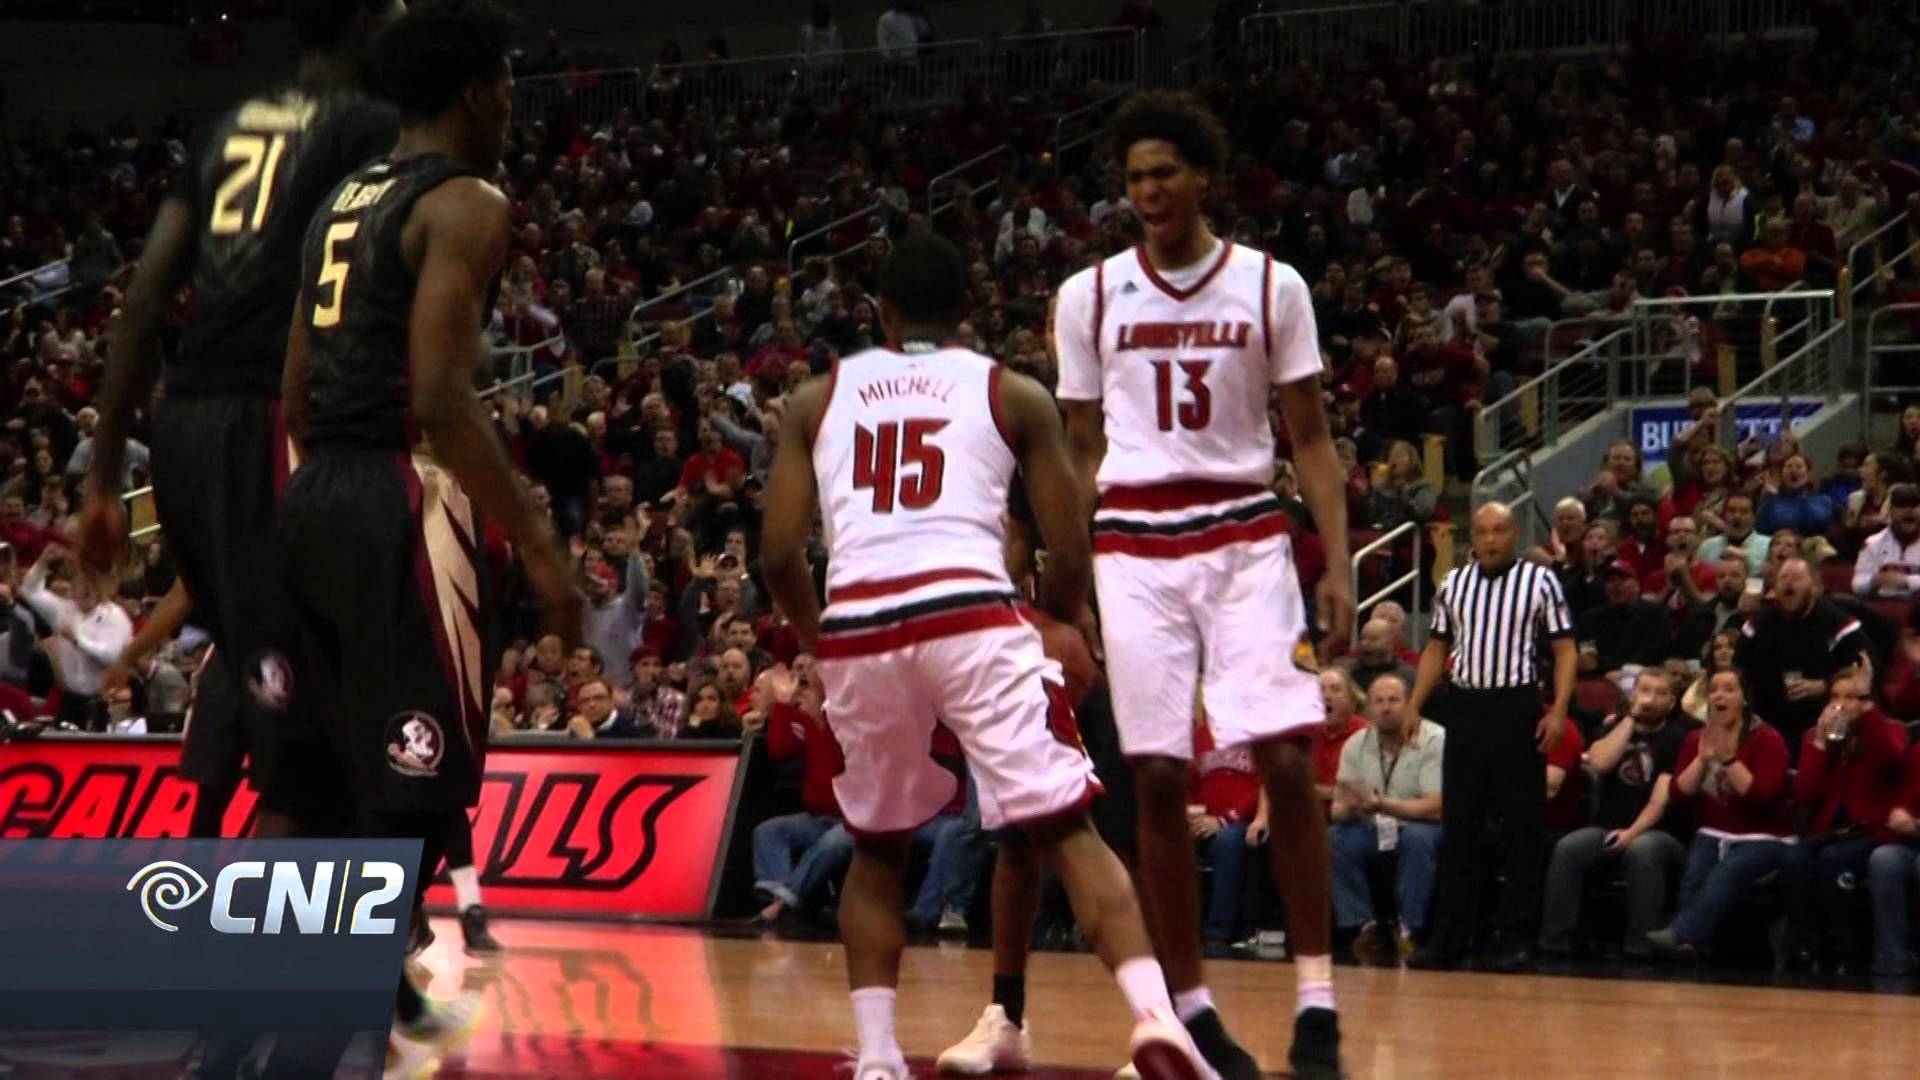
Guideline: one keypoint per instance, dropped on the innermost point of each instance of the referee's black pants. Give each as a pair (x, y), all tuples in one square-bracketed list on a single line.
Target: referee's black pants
[(1491, 767)]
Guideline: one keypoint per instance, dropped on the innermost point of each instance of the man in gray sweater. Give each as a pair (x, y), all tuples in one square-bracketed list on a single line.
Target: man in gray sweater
[(614, 617)]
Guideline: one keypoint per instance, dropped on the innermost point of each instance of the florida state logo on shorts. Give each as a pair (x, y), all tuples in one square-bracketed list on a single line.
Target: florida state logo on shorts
[(270, 681), (415, 744)]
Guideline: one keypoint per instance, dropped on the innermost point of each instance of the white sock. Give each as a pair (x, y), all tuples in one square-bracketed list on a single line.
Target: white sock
[(1188, 1004), (1143, 983), (1314, 981), (873, 1020), (466, 886)]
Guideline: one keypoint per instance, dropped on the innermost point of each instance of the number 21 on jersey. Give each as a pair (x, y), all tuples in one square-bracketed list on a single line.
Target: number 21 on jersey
[(881, 454), (1192, 406)]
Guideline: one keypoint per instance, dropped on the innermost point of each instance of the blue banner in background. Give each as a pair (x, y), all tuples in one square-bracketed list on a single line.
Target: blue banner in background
[(206, 938), (1654, 427)]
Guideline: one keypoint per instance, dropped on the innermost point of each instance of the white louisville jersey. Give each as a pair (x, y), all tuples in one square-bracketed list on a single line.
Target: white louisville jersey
[(913, 469), (1182, 362)]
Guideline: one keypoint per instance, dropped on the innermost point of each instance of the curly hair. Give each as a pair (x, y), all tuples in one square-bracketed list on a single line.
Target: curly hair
[(1173, 116), (431, 55)]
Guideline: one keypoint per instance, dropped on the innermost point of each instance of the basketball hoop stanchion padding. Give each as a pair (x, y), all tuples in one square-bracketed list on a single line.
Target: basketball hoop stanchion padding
[(608, 829)]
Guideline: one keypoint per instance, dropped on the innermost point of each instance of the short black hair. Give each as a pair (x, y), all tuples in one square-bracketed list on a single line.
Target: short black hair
[(926, 281), (431, 55), (322, 24), (1173, 116)]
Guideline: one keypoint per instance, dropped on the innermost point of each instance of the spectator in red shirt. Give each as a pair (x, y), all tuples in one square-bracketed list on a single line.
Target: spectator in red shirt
[(1566, 784), (1814, 237), (1641, 543), (715, 470), (1684, 580), (1226, 821), (797, 727), (1848, 780), (1733, 773), (1892, 871)]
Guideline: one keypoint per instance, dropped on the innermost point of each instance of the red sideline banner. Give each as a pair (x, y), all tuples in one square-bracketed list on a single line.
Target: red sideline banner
[(613, 830)]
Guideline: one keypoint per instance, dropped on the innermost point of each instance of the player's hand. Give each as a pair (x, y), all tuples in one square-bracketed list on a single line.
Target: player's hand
[(1333, 601), (1617, 839), (1902, 822), (103, 532), (1548, 732), (1203, 825)]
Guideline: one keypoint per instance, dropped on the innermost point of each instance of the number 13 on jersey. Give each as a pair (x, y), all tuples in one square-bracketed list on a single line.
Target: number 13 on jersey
[(1196, 411), (879, 455)]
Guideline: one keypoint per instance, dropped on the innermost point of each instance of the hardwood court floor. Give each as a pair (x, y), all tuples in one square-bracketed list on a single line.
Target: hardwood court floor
[(596, 1000)]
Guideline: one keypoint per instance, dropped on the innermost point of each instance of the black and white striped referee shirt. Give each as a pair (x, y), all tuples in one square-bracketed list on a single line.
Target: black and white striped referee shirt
[(1494, 622)]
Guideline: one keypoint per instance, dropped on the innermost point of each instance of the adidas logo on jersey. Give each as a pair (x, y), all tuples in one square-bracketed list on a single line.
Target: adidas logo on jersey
[(1128, 288)]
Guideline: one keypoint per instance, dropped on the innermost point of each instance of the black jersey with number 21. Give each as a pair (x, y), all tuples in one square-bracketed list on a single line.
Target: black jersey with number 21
[(252, 186)]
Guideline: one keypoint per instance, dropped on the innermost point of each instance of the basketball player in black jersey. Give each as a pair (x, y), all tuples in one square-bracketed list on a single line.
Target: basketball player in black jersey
[(233, 229), (391, 585)]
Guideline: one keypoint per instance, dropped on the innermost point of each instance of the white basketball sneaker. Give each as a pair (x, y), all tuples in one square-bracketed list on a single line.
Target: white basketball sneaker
[(994, 1045), (1162, 1050)]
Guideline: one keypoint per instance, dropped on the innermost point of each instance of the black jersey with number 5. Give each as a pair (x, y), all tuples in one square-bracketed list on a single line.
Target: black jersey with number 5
[(253, 186), (358, 301)]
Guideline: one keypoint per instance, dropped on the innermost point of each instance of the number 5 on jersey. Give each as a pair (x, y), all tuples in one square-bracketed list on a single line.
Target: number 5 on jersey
[(1195, 412), (878, 458), (333, 275)]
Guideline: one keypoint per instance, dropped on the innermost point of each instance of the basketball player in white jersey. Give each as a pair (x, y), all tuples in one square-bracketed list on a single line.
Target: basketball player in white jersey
[(908, 455), (1169, 354)]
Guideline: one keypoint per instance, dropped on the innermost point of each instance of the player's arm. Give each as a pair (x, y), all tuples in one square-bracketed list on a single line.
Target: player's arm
[(462, 246), (133, 364), (293, 379), (791, 497), (1033, 426), (1073, 337), (161, 626), (1294, 366)]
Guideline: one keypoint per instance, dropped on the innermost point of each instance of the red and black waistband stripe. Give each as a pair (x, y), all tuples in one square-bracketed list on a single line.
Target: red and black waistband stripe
[(853, 624), (934, 621), (1126, 527)]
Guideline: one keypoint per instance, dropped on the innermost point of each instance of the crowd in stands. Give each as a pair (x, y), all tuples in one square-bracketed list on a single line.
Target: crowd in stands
[(1743, 619)]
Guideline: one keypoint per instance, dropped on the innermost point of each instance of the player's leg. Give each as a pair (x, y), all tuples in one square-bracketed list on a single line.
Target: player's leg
[(1153, 665), (883, 719), (873, 929), (992, 694), (465, 877), (1256, 694), (999, 1041)]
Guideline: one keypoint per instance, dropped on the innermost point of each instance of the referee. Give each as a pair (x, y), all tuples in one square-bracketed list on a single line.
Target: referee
[(1488, 620)]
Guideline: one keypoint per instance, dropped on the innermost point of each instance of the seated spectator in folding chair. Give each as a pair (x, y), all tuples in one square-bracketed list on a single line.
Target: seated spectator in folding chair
[(1732, 774), (1849, 781), (1228, 815), (1387, 802), (798, 728), (1633, 761), (1893, 876)]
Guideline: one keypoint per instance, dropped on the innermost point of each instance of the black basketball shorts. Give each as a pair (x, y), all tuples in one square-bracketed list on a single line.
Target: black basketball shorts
[(387, 568)]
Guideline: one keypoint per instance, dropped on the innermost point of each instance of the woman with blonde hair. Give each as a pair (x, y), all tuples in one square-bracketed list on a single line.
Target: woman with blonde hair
[(1718, 657), (1404, 493)]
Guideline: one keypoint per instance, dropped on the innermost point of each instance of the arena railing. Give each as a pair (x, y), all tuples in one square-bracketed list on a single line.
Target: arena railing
[(1875, 242), (1318, 33), (26, 288), (1811, 370), (937, 73), (678, 291), (1744, 330), (878, 207), (1541, 409), (1094, 114), (1879, 351), (934, 207), (1387, 542)]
